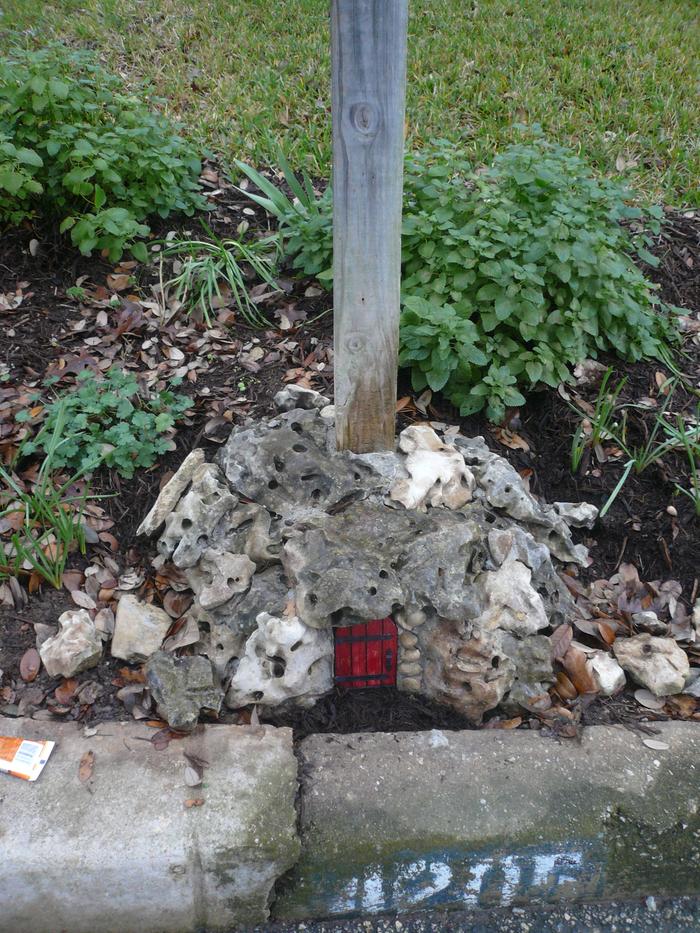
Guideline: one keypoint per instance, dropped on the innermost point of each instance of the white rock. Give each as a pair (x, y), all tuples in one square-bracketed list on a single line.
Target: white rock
[(139, 629), (649, 622), (284, 660), (606, 672), (170, 493), (577, 514), (513, 605), (76, 647), (438, 474), (658, 664)]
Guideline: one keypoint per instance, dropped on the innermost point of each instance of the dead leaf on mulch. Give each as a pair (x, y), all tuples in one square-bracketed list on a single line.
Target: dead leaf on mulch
[(65, 691), (194, 802), (30, 665)]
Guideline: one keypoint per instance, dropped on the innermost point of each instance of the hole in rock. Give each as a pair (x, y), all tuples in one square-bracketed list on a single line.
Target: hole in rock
[(296, 646), (495, 662), (383, 574), (372, 591), (296, 427), (279, 666), (257, 696), (316, 494), (186, 522), (279, 464), (313, 599), (203, 540), (299, 448), (273, 484)]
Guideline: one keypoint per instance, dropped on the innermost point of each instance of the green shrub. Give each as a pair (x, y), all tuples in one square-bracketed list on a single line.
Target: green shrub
[(511, 274), (109, 422), (75, 146)]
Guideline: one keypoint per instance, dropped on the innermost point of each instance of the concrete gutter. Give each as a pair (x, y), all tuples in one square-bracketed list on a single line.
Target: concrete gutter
[(388, 823), (124, 852), (457, 819)]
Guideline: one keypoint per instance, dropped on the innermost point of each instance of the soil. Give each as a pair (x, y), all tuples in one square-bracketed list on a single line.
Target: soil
[(649, 525)]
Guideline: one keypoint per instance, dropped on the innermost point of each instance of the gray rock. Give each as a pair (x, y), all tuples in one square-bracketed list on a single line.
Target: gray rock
[(171, 493), (77, 646), (197, 517), (182, 688), (577, 514), (139, 629), (294, 396), (649, 622), (658, 664)]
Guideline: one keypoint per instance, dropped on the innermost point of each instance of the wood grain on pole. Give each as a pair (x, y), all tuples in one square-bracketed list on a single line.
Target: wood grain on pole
[(369, 39)]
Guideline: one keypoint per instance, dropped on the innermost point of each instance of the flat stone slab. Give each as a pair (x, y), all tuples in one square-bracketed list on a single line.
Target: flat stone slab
[(423, 820), (128, 850)]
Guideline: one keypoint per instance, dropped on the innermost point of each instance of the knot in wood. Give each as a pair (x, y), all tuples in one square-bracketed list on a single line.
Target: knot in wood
[(355, 343), (364, 118)]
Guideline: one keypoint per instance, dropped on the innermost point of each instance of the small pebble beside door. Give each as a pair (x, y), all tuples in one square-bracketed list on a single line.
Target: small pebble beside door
[(365, 655)]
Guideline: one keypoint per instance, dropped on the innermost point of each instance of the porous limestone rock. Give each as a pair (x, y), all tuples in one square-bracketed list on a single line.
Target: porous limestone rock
[(219, 576), (658, 664), (139, 629), (284, 660), (197, 517), (182, 688), (512, 604), (607, 674), (171, 493), (294, 396), (287, 538), (76, 647), (469, 674), (502, 487), (438, 474)]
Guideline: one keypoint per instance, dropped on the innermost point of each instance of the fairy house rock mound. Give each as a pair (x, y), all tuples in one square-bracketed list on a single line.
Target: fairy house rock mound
[(284, 541)]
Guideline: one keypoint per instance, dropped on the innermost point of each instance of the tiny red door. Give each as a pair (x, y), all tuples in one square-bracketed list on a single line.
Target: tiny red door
[(365, 655)]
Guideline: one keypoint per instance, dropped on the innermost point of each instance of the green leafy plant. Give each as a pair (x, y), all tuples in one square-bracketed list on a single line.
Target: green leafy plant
[(77, 147), (50, 514), (208, 264), (305, 221), (534, 252), (110, 422)]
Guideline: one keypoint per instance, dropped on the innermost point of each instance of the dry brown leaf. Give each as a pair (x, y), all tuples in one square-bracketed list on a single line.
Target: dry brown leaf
[(574, 662), (564, 687), (86, 767), (30, 665), (176, 604), (83, 600), (118, 282), (607, 632), (73, 580), (194, 802), (65, 691), (561, 639), (504, 723), (511, 440)]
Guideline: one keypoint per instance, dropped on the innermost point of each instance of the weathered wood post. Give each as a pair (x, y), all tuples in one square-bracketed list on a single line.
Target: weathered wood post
[(369, 40)]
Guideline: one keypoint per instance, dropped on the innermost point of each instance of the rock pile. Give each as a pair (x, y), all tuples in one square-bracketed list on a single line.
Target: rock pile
[(284, 539)]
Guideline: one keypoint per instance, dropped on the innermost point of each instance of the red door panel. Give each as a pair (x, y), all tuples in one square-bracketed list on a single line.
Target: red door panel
[(366, 654)]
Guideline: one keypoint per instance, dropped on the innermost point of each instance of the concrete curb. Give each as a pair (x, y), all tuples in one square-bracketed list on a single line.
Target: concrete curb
[(388, 823), (125, 852), (457, 819)]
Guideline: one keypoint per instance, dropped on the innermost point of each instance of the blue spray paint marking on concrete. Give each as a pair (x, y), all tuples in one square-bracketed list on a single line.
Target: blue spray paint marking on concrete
[(452, 878)]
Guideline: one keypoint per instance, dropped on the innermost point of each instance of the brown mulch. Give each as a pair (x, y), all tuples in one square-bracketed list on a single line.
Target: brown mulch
[(40, 333)]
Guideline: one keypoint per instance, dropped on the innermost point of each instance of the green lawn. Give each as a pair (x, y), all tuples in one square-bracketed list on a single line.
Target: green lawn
[(615, 79)]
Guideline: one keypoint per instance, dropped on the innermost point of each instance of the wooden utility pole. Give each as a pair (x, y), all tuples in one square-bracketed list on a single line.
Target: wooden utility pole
[(369, 40)]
